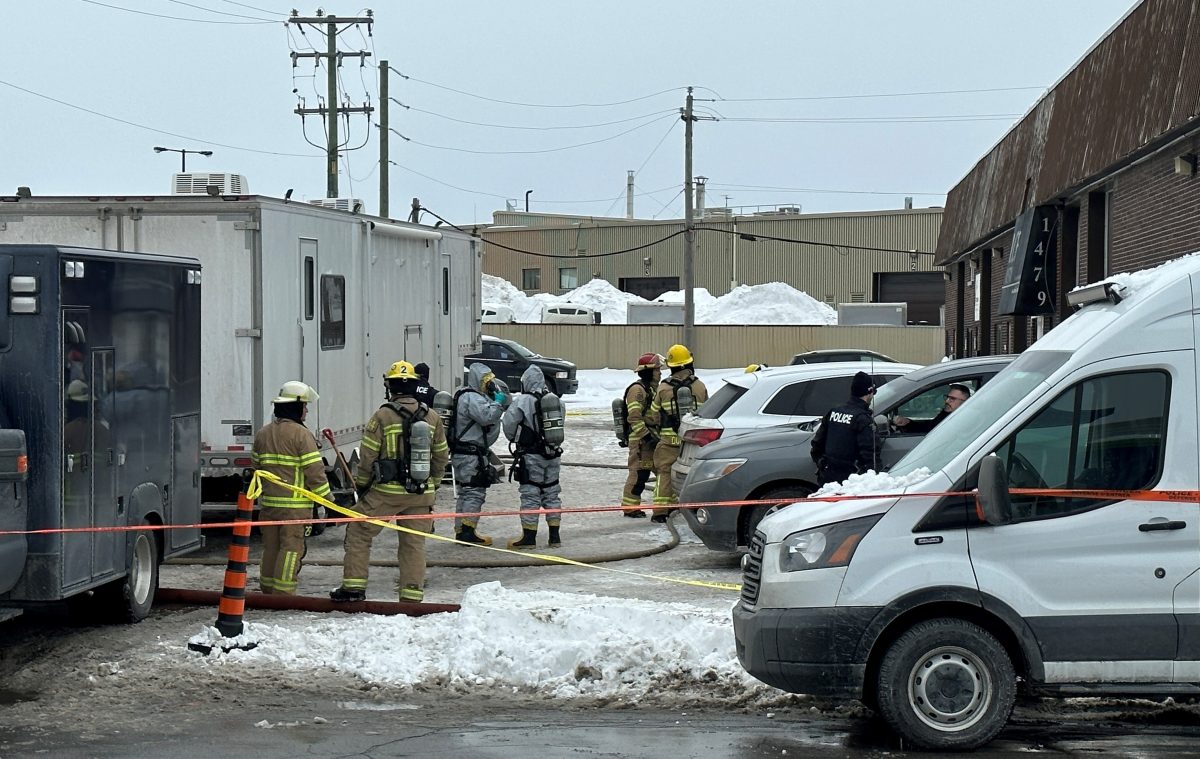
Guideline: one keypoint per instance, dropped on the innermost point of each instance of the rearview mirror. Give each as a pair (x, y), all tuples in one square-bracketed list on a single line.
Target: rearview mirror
[(992, 501)]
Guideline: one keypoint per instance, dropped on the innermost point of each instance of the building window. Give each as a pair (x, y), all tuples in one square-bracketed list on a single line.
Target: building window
[(531, 279), (333, 312), (568, 278)]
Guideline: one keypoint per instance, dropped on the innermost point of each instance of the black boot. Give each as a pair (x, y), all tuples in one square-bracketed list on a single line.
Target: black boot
[(555, 540), (467, 535), (344, 595), (528, 539)]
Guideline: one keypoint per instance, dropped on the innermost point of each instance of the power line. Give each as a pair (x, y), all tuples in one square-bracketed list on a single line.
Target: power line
[(755, 236), (253, 8), (175, 18), (525, 152), (506, 197), (217, 12), (531, 128), (152, 129), (878, 119), (868, 96), (725, 185), (531, 105)]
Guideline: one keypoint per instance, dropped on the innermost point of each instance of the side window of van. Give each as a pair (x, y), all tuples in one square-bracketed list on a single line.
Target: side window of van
[(1104, 433)]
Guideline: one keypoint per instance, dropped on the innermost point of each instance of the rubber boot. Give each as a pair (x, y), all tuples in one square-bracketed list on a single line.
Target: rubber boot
[(467, 535), (412, 593), (636, 514), (528, 539), (347, 595), (555, 540)]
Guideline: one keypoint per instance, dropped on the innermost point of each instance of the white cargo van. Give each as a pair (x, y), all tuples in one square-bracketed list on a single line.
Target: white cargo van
[(569, 313), (490, 314), (933, 609)]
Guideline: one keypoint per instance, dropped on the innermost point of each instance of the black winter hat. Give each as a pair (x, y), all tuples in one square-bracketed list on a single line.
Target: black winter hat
[(861, 385), (422, 370)]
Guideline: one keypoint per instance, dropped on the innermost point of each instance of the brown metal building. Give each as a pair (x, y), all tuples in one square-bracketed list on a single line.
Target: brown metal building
[(1099, 177), (862, 267)]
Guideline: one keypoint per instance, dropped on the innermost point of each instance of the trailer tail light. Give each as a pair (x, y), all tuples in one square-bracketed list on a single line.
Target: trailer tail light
[(702, 437), (22, 464), (243, 462)]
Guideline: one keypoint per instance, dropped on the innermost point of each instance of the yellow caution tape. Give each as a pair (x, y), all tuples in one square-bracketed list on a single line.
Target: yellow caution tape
[(255, 490)]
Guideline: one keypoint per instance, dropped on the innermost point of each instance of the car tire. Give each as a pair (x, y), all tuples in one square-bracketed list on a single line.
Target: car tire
[(947, 685), (752, 515)]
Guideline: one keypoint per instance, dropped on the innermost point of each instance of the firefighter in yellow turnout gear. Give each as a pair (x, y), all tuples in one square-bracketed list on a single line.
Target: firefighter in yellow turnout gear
[(641, 440), (670, 405), (285, 448), (404, 454)]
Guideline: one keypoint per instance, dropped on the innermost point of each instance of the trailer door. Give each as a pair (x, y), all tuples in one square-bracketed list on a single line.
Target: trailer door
[(77, 448), (310, 335), (108, 552)]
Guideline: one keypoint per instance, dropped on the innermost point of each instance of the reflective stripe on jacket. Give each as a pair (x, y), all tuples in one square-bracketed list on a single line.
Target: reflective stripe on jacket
[(288, 450), (663, 407), (384, 438)]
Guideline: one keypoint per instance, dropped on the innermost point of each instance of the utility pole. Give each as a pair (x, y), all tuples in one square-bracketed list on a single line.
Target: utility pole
[(383, 139), (689, 233), (333, 58)]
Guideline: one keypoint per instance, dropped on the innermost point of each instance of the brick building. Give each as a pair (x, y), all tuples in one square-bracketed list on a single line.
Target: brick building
[(1099, 177)]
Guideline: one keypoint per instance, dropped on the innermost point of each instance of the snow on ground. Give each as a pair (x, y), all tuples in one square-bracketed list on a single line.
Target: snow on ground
[(559, 645), (770, 303), (598, 387)]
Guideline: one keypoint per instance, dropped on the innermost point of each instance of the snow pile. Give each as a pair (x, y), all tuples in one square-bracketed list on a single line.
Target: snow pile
[(874, 483), (598, 387), (558, 645), (770, 303)]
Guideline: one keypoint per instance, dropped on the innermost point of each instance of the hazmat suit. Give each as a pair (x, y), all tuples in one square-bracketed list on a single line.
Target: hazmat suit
[(476, 426), (535, 463)]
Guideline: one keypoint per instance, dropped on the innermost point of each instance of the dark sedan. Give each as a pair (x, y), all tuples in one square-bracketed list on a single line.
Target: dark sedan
[(775, 463)]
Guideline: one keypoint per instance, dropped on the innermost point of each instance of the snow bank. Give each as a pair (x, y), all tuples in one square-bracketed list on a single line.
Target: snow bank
[(557, 645), (873, 482), (770, 303)]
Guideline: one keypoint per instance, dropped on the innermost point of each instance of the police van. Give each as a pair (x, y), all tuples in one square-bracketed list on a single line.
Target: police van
[(99, 423), (937, 609)]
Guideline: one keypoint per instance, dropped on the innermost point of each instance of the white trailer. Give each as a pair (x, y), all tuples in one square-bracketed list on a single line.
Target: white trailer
[(292, 291)]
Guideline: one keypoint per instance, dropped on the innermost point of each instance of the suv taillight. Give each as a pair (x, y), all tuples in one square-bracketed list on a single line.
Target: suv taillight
[(702, 437)]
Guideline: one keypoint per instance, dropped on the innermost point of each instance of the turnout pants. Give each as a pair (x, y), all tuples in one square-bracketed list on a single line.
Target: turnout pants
[(410, 550), (283, 549), (664, 491), (641, 463)]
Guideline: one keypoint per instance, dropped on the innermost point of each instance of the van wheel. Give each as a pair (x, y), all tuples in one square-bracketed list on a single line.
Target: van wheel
[(946, 684), (141, 578), (755, 514)]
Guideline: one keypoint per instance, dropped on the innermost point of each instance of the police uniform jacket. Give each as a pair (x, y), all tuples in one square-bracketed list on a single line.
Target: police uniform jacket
[(845, 441)]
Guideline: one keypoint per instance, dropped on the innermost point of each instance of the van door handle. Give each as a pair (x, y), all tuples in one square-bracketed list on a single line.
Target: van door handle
[(1159, 526)]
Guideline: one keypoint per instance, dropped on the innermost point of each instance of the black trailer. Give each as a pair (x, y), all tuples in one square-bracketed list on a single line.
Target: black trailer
[(99, 421)]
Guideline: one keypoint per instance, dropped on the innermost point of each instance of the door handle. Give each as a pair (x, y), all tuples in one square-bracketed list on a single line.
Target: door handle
[(1160, 526)]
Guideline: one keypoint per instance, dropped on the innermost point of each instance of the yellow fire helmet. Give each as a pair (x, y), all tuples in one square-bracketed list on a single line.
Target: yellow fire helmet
[(678, 356), (296, 391), (401, 370)]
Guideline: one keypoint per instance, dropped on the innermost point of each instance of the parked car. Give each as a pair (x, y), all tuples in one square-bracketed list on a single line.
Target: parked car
[(508, 359), (775, 463), (497, 315), (769, 398), (568, 313), (827, 356)]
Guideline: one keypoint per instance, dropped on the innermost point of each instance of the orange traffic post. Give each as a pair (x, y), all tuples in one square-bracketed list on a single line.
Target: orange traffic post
[(233, 597)]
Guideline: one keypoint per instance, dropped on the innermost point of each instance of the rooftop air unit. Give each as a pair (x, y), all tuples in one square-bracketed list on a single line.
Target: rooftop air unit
[(790, 210), (353, 205), (197, 183)]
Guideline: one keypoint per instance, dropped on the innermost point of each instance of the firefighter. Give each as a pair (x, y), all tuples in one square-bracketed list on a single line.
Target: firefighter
[(664, 416), (642, 440), (284, 447), (474, 428), (533, 425), (845, 442), (402, 460)]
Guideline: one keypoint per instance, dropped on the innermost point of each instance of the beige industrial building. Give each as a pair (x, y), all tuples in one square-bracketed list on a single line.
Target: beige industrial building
[(850, 257)]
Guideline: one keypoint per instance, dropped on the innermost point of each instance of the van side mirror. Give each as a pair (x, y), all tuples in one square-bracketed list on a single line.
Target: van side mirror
[(992, 500)]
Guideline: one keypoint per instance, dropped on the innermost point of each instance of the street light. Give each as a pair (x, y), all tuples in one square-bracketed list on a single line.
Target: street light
[(182, 154)]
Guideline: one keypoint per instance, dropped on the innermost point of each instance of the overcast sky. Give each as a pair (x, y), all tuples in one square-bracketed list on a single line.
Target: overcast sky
[(229, 84)]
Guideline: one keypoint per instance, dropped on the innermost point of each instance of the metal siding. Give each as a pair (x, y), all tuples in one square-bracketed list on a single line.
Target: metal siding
[(616, 346)]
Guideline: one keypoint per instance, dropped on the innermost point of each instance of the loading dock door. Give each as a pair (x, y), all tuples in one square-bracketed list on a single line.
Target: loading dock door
[(923, 291), (648, 287)]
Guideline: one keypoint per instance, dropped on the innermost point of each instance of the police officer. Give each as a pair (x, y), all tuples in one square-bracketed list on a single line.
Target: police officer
[(425, 391), (641, 439), (385, 483), (664, 417), (845, 442), (476, 414), (536, 461), (284, 447)]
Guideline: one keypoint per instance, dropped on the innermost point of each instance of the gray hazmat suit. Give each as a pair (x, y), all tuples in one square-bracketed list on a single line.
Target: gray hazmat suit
[(540, 489), (476, 427)]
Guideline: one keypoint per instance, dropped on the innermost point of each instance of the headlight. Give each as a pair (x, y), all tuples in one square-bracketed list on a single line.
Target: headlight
[(711, 469), (830, 546), (561, 375)]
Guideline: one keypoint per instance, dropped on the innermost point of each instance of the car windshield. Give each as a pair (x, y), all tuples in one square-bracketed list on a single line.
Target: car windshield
[(520, 350), (1017, 381), (887, 394)]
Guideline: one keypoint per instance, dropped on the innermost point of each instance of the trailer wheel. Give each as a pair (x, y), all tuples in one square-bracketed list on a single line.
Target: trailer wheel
[(946, 684), (141, 578)]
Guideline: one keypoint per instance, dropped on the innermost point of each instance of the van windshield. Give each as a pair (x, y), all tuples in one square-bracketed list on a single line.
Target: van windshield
[(1014, 383)]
